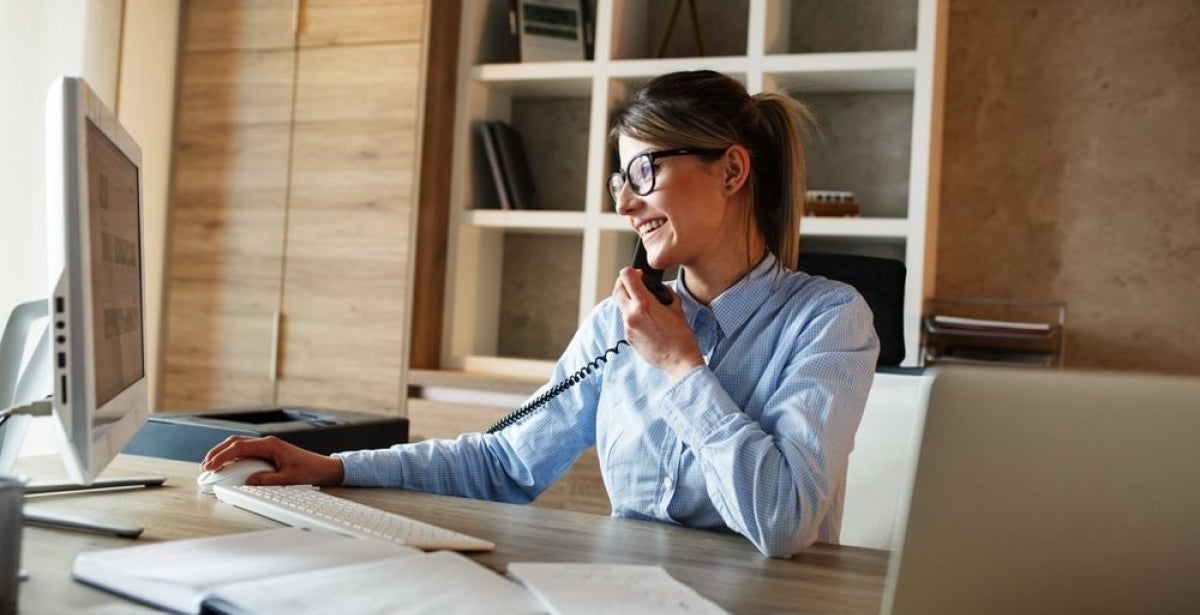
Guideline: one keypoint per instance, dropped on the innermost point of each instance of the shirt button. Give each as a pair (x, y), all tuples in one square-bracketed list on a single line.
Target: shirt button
[(667, 482)]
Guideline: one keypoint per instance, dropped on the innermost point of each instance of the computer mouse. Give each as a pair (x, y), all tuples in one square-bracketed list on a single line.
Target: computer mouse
[(234, 473)]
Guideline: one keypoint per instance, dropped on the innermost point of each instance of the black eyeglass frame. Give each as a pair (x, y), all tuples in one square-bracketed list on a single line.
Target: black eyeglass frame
[(614, 191)]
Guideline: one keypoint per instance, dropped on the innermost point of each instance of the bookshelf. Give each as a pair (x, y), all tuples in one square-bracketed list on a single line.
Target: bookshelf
[(519, 282)]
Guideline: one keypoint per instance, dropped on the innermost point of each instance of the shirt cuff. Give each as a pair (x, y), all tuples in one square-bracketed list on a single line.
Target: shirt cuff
[(694, 409), (359, 468)]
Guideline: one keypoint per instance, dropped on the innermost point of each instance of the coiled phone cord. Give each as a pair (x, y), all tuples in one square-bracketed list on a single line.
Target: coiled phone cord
[(532, 406)]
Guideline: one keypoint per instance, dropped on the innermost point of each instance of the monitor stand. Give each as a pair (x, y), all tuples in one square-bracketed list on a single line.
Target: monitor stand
[(18, 389), (13, 425)]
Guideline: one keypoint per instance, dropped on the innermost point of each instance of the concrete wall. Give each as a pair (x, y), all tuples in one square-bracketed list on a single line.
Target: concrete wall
[(1071, 170)]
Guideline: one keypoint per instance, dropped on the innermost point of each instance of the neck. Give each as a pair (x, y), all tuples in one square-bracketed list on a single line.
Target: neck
[(705, 282)]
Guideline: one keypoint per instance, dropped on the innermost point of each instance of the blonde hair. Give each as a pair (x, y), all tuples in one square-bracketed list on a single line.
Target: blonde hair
[(706, 109)]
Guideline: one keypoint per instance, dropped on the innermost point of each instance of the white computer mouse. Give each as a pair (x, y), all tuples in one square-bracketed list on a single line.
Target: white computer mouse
[(234, 473)]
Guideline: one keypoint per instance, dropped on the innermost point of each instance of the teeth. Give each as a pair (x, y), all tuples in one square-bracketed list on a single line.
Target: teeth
[(649, 226)]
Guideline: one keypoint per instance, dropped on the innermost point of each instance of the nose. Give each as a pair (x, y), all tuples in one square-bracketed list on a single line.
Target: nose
[(627, 202)]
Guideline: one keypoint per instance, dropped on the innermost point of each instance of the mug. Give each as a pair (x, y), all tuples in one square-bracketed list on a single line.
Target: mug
[(12, 493)]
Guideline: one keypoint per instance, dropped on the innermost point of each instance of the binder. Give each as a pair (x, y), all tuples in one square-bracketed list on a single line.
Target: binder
[(517, 176), (491, 148)]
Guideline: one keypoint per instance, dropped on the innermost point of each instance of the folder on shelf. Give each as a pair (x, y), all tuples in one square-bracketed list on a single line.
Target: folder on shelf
[(491, 148), (515, 166), (944, 323)]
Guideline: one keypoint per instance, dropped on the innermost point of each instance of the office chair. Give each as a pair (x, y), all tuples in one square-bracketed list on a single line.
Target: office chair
[(882, 453), (881, 283)]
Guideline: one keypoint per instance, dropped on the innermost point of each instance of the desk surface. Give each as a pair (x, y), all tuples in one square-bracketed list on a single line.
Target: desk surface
[(723, 567)]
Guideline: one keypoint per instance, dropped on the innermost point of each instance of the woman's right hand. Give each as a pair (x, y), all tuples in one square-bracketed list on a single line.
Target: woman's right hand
[(293, 465)]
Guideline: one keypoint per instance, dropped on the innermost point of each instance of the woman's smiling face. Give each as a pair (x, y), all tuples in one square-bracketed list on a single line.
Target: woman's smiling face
[(682, 220)]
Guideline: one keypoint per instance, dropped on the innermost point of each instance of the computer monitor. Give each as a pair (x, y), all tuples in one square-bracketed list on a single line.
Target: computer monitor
[(1048, 491), (91, 356), (94, 261)]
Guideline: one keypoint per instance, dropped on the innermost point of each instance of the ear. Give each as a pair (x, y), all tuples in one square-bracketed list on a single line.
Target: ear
[(737, 168)]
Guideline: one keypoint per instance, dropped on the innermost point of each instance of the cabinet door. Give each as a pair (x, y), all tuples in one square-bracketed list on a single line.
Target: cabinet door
[(228, 204), (351, 214)]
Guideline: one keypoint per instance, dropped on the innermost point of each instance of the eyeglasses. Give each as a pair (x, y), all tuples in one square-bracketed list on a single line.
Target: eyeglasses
[(641, 170)]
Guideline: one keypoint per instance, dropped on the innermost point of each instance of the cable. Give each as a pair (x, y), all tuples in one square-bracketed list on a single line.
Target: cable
[(533, 405)]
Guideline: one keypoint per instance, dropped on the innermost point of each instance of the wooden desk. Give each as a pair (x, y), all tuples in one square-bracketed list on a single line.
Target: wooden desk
[(723, 567)]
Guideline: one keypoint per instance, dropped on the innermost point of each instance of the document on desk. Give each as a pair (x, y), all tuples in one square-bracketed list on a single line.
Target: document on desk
[(299, 571), (620, 589)]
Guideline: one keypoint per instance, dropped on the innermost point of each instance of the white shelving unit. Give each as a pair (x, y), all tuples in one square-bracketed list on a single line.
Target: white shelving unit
[(520, 281)]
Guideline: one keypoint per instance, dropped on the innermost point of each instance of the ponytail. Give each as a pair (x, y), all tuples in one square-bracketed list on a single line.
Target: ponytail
[(780, 189)]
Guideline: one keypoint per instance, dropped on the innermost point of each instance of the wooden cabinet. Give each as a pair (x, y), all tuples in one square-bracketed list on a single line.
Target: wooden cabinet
[(293, 205), (518, 282)]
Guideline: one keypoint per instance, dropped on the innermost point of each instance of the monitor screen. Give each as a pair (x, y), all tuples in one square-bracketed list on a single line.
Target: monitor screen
[(115, 266), (94, 254)]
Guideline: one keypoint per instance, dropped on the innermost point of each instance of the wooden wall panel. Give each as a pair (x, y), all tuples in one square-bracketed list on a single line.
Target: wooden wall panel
[(238, 24), (350, 217), (228, 200), (347, 22)]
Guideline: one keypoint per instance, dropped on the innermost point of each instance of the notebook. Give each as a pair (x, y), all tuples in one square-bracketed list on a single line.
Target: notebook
[(1043, 491), (299, 571)]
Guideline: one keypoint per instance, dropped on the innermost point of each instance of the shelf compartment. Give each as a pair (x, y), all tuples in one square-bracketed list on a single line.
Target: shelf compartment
[(562, 221), (509, 367), (646, 69), (883, 71), (538, 309), (538, 79), (807, 26), (863, 145), (859, 227), (554, 132), (639, 27)]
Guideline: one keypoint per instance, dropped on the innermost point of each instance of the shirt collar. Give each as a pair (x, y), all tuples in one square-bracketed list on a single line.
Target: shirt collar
[(734, 307)]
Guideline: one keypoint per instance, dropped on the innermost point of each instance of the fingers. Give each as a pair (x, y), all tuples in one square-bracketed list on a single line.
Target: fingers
[(236, 447), (629, 290)]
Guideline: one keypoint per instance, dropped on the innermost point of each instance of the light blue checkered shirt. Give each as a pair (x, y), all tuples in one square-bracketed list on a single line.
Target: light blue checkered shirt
[(756, 441)]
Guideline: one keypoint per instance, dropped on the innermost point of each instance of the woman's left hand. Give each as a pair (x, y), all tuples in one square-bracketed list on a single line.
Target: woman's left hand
[(659, 333)]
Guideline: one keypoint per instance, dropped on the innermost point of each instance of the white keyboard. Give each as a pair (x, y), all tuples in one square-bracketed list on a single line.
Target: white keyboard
[(304, 506)]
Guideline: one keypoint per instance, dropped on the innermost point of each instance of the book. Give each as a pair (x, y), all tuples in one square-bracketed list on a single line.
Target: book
[(299, 571), (491, 150), (517, 175), (568, 589)]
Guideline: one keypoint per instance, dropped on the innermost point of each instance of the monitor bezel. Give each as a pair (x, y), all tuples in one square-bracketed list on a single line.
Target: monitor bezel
[(85, 447)]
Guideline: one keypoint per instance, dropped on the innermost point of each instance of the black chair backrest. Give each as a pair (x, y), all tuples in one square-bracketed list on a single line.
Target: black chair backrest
[(881, 283)]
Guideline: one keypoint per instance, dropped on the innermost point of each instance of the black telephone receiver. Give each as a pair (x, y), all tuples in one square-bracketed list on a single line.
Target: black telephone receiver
[(653, 279), (650, 276)]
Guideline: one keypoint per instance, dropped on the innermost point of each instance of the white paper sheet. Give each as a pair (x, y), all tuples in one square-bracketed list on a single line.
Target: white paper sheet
[(620, 589)]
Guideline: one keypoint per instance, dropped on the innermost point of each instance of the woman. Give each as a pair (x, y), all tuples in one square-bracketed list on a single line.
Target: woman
[(738, 407)]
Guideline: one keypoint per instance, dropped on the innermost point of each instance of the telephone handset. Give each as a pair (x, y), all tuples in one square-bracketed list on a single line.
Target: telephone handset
[(652, 278)]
